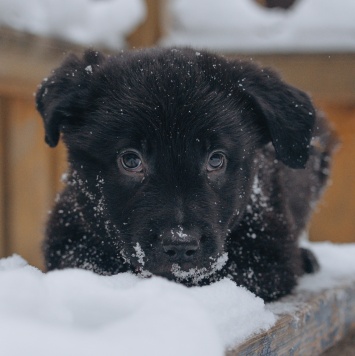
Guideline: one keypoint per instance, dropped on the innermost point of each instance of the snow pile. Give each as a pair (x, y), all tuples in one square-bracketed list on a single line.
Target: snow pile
[(86, 22), (337, 265), (337, 269), (77, 312), (244, 26)]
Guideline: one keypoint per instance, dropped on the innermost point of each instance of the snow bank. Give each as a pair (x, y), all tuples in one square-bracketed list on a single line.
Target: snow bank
[(337, 269), (85, 22), (337, 265), (244, 26), (77, 312)]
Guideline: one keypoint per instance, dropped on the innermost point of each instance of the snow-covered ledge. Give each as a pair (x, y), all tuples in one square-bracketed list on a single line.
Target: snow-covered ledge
[(78, 312), (320, 321)]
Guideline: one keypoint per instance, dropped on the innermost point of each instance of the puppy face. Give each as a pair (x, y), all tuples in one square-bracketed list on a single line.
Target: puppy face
[(174, 179), (165, 141)]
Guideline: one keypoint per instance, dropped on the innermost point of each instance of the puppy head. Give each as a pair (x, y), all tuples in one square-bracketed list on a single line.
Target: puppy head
[(167, 139)]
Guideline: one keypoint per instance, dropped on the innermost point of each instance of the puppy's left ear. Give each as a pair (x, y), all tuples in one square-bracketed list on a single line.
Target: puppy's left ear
[(287, 112), (63, 96)]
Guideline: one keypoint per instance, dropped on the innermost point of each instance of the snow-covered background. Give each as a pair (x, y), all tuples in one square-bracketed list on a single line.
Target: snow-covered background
[(224, 25), (85, 22), (244, 26), (75, 312)]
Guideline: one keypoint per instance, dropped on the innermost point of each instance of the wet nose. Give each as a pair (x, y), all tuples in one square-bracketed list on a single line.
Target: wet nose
[(180, 245), (180, 252)]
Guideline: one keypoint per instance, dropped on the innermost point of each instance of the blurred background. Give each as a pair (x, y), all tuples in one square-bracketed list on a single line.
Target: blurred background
[(311, 42)]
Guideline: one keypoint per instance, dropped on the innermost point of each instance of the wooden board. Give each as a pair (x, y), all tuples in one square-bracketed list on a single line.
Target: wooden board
[(30, 186), (328, 76), (334, 219), (26, 59), (2, 180), (151, 29), (320, 322)]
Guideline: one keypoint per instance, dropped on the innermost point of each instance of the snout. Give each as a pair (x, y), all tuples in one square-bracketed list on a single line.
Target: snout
[(180, 245)]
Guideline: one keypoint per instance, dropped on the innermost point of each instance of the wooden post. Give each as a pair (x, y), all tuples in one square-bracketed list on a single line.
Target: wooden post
[(29, 189), (334, 217), (151, 30), (2, 179)]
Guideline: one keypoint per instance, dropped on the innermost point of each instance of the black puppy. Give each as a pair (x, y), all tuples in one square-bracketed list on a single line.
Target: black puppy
[(186, 165)]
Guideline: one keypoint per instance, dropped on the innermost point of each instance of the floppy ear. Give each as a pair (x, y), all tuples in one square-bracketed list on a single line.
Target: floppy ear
[(287, 112), (62, 97)]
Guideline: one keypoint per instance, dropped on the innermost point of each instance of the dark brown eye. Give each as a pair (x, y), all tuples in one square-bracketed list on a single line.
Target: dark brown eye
[(131, 162), (215, 161)]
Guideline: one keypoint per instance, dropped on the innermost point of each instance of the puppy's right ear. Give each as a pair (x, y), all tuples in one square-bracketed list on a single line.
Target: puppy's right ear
[(62, 97)]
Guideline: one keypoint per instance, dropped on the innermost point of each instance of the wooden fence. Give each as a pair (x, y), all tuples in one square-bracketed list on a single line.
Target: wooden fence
[(30, 171)]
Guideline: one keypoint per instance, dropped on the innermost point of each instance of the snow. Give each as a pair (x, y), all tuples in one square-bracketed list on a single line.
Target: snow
[(139, 253), (75, 311), (196, 275), (337, 263), (71, 310), (86, 22), (226, 25), (244, 26)]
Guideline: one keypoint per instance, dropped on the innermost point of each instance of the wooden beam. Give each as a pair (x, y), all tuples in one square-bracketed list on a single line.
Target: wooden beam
[(151, 30), (320, 321), (26, 59), (2, 178), (329, 77), (29, 187), (334, 216)]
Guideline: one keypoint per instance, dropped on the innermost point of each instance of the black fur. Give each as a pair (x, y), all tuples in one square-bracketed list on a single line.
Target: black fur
[(174, 108)]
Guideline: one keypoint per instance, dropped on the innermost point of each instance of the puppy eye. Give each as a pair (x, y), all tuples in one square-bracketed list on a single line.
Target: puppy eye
[(215, 161), (131, 162)]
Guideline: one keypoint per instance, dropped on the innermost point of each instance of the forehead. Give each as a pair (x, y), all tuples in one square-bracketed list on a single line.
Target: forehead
[(162, 120), (164, 100)]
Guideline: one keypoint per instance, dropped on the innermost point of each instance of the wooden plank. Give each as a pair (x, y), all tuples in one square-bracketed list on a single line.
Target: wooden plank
[(325, 76), (2, 179), (334, 217), (26, 59), (321, 320), (345, 347), (151, 29), (29, 189)]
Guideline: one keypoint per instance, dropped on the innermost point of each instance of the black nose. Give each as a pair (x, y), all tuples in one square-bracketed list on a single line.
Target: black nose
[(180, 245), (180, 252)]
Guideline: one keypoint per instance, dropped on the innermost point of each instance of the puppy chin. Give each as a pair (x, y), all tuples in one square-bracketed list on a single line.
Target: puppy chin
[(187, 273)]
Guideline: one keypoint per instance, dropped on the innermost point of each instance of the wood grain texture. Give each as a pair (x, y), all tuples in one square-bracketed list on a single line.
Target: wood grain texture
[(321, 320), (334, 219), (26, 59), (150, 30), (30, 189), (2, 178), (345, 347), (329, 77)]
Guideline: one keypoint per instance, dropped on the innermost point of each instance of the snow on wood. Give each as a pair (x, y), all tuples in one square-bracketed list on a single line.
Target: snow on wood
[(319, 322), (85, 22), (77, 312), (320, 312), (245, 26)]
